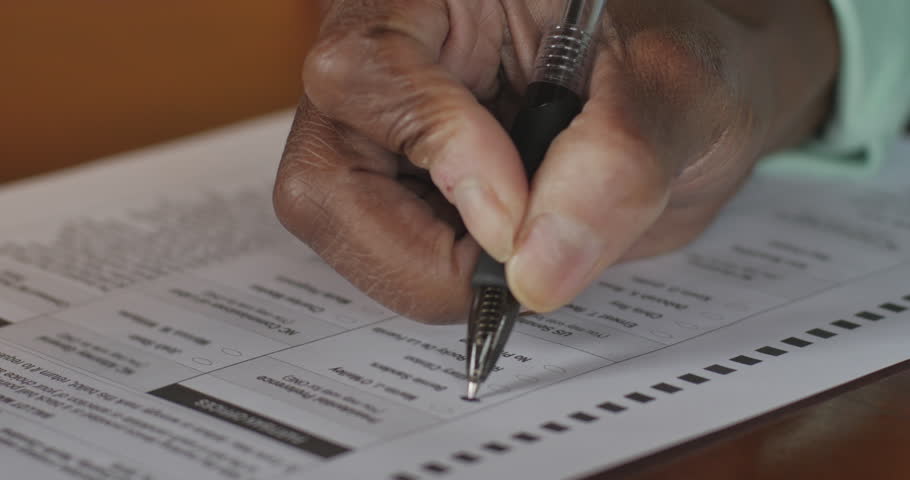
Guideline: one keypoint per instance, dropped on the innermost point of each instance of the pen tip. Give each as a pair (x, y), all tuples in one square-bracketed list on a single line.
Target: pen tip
[(473, 386)]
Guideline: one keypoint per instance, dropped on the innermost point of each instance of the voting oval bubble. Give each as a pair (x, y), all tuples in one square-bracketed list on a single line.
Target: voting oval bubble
[(661, 334), (346, 319), (688, 325), (713, 316), (495, 389), (371, 310), (441, 409), (741, 307)]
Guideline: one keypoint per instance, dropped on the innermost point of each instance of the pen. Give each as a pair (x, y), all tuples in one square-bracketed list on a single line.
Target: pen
[(553, 99)]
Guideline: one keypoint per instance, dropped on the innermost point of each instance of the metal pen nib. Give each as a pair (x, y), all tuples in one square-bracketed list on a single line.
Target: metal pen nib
[(492, 315), (473, 386)]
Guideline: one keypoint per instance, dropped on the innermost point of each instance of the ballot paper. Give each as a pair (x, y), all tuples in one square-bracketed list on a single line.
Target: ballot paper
[(158, 323)]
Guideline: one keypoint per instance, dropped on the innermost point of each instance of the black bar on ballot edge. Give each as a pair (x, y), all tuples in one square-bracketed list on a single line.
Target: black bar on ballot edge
[(249, 420)]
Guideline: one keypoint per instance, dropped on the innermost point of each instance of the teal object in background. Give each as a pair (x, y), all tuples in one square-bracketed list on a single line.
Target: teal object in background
[(873, 97)]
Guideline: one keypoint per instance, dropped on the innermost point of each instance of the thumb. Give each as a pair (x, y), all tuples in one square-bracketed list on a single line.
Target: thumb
[(600, 186)]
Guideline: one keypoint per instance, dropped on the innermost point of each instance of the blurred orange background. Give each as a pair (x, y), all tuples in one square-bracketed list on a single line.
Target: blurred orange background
[(83, 79)]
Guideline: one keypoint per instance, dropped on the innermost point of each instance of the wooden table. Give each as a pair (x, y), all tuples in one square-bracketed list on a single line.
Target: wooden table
[(861, 430), (85, 79)]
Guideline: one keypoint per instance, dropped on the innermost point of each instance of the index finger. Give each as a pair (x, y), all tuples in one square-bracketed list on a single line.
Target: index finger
[(378, 69), (381, 236)]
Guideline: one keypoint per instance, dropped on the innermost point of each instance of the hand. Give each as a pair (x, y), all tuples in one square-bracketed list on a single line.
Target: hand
[(402, 124)]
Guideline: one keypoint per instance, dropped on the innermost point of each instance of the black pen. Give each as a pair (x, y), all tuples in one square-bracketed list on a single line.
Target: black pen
[(553, 99)]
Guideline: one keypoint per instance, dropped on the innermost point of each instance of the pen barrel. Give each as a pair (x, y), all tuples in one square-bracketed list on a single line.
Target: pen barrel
[(584, 14), (552, 100), (549, 110)]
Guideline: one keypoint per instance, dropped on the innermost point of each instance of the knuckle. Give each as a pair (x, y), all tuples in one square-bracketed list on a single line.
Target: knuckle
[(412, 99), (357, 57), (328, 68), (376, 72)]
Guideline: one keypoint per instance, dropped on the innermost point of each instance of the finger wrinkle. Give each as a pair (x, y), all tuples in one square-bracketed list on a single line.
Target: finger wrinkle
[(310, 156), (473, 42), (425, 122), (421, 92), (309, 143), (726, 161), (375, 233), (298, 207), (621, 163), (424, 21), (522, 37), (319, 145)]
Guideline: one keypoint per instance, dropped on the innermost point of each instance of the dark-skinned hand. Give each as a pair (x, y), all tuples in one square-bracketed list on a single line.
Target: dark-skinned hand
[(398, 167)]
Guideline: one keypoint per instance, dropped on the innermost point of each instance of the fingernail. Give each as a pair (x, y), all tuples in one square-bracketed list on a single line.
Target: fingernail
[(553, 263), (486, 218)]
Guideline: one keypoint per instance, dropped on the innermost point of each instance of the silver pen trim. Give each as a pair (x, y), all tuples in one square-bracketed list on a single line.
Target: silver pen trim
[(492, 316), (566, 55)]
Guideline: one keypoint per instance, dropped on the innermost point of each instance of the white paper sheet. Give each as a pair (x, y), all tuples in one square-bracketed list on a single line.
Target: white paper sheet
[(159, 323)]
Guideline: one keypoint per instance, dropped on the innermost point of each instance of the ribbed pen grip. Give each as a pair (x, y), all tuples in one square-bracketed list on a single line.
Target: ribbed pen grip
[(565, 58)]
